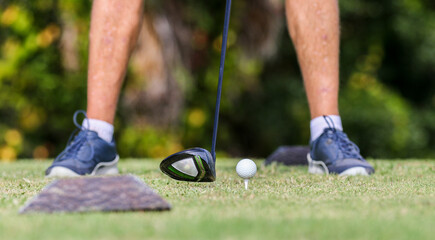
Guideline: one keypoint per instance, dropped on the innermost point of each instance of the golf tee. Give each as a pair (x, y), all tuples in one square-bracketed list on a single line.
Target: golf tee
[(246, 183)]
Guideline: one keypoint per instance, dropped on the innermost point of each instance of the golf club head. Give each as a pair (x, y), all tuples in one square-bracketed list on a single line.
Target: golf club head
[(192, 165)]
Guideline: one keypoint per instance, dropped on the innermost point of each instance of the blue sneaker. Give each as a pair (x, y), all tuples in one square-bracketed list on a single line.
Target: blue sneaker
[(85, 154), (334, 153)]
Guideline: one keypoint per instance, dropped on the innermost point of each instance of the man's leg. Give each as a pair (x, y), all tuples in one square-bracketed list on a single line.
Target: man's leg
[(314, 28), (114, 31)]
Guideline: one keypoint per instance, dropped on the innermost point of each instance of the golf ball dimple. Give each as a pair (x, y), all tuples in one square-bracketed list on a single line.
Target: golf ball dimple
[(246, 168)]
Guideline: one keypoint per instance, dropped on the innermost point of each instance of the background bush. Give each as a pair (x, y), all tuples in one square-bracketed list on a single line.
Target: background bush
[(387, 93)]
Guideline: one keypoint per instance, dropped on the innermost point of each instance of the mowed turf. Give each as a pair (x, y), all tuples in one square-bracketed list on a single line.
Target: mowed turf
[(398, 202)]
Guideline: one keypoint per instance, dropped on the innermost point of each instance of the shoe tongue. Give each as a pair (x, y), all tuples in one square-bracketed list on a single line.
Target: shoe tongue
[(84, 151), (88, 134)]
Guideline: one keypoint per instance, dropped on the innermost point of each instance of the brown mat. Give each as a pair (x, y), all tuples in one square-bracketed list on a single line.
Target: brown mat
[(92, 194)]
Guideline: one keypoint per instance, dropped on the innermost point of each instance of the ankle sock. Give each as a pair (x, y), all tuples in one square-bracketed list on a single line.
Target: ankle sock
[(318, 124), (102, 128)]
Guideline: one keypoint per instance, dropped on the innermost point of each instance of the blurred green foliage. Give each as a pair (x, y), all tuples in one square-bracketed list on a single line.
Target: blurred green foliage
[(387, 94)]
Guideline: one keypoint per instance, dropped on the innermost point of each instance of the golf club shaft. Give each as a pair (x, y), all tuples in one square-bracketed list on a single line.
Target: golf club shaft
[(221, 74)]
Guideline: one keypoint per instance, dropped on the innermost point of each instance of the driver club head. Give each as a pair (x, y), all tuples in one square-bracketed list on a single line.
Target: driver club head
[(192, 165)]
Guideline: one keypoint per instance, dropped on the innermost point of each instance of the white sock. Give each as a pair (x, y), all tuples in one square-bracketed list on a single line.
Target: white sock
[(104, 129), (318, 124)]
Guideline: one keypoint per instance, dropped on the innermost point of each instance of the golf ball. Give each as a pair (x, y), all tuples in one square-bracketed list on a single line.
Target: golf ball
[(246, 168)]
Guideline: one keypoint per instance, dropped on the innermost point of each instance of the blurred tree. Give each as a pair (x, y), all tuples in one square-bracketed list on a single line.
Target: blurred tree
[(387, 68)]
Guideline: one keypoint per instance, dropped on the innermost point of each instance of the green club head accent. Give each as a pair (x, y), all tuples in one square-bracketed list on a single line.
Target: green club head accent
[(193, 165)]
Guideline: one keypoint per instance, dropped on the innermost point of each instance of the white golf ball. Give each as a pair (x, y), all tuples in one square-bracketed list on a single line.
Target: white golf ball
[(246, 168)]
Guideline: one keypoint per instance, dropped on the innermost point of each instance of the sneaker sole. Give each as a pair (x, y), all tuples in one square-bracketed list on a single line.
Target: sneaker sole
[(102, 168), (319, 167), (360, 171)]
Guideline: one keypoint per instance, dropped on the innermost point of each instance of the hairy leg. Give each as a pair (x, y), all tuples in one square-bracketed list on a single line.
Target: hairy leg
[(114, 31), (314, 29)]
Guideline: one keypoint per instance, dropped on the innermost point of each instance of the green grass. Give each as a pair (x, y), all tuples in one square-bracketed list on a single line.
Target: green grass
[(398, 202)]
